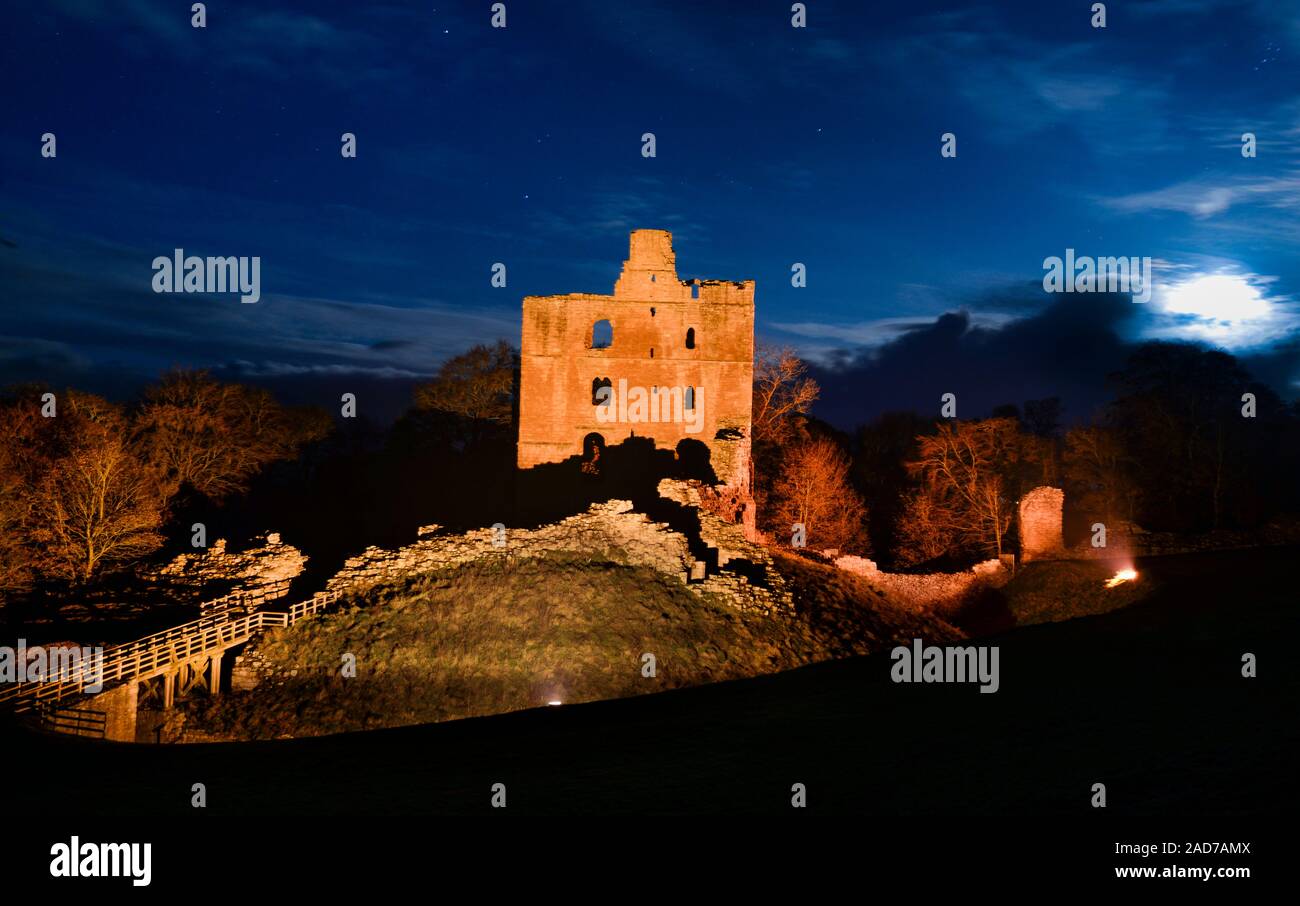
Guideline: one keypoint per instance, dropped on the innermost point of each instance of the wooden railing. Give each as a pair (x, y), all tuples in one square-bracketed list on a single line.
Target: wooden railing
[(158, 652), (245, 600)]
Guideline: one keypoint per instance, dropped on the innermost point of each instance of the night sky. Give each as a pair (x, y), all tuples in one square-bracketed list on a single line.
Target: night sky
[(522, 145)]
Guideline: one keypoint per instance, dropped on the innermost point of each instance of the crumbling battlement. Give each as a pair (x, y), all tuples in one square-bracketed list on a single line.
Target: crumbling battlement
[(656, 332)]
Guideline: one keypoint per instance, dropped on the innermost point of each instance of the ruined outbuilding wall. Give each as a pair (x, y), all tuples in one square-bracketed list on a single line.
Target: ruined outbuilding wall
[(933, 591), (1040, 524), (651, 312)]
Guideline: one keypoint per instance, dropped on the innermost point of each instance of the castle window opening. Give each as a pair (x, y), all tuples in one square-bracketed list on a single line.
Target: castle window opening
[(602, 335), (596, 396), (690, 338)]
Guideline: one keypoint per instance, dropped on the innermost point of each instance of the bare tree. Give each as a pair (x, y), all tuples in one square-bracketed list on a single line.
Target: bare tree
[(473, 394), (15, 501), (965, 466), (214, 436), (782, 391), (927, 527), (1097, 470), (477, 384), (97, 503), (813, 489)]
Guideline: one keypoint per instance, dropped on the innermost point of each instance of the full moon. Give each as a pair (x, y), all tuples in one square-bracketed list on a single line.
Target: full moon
[(1224, 309)]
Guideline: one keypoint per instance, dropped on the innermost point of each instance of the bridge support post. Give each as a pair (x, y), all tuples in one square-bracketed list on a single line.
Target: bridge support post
[(121, 708), (169, 681)]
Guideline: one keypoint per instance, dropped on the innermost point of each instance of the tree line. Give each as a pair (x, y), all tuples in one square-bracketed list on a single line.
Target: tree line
[(87, 485), (1189, 443)]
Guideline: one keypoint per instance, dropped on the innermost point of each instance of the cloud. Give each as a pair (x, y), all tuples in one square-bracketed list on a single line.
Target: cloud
[(1066, 349), (881, 331), (1020, 86), (96, 299), (1207, 197), (264, 369)]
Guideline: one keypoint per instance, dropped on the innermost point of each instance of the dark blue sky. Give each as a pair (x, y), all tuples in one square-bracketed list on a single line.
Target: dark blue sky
[(523, 145)]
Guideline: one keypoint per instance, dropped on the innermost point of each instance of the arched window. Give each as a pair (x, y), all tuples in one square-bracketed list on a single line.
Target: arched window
[(602, 335), (690, 338), (688, 399), (599, 384)]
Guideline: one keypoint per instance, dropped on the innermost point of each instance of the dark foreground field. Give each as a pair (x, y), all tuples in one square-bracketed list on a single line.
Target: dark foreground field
[(1149, 701)]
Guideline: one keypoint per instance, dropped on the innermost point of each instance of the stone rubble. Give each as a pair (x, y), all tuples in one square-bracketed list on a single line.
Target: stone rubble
[(608, 529), (260, 574)]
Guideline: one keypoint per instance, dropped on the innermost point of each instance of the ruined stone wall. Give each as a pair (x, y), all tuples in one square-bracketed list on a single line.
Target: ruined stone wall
[(928, 591), (263, 572), (1040, 524), (611, 528), (651, 313), (606, 528)]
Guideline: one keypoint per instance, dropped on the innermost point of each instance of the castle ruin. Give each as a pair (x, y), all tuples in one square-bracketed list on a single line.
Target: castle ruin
[(1040, 524), (665, 359)]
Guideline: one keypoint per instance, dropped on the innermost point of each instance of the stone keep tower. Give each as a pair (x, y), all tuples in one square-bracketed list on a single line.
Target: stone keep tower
[(657, 339)]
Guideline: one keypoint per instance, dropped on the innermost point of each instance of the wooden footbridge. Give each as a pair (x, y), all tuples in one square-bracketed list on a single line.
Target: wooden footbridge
[(105, 693)]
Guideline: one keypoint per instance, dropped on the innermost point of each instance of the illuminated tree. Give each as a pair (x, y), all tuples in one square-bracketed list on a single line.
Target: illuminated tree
[(813, 489), (96, 502), (969, 469), (927, 527), (782, 392)]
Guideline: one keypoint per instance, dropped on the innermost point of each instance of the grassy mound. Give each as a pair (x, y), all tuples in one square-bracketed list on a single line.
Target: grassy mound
[(847, 614), (485, 638), (1054, 590)]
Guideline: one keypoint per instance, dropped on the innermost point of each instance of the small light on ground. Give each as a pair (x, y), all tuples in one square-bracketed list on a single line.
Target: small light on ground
[(556, 702), (1124, 575)]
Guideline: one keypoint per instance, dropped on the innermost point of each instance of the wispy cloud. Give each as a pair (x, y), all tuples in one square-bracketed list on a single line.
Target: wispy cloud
[(1207, 197), (829, 343)]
